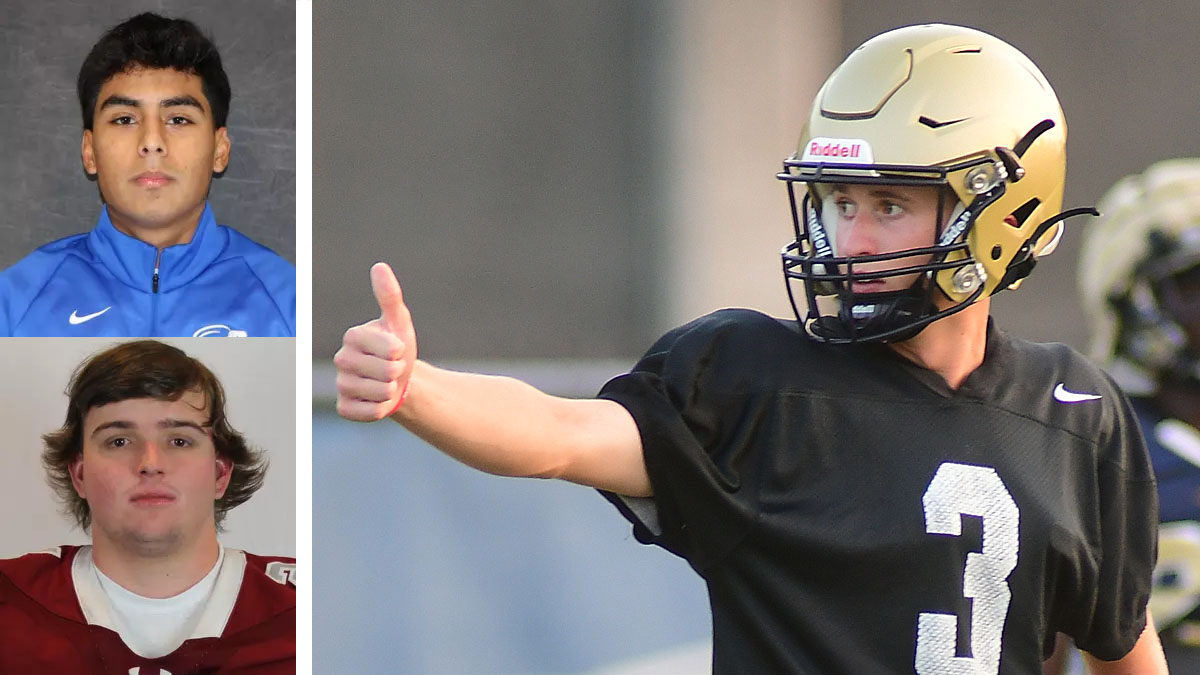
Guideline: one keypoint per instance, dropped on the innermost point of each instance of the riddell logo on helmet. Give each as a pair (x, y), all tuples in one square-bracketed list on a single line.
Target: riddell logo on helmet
[(841, 150), (834, 150)]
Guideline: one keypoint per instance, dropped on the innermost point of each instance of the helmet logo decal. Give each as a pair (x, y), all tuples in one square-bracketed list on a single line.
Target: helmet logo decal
[(934, 124), (842, 150), (817, 233), (952, 233)]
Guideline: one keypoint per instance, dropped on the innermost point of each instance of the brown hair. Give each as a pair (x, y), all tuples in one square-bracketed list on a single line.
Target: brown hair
[(146, 369)]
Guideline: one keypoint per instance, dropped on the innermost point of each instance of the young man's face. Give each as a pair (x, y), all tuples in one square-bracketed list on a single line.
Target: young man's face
[(875, 219), (150, 473), (153, 149)]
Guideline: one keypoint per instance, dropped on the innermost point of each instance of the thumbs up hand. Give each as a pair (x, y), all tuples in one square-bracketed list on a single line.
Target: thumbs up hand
[(376, 359)]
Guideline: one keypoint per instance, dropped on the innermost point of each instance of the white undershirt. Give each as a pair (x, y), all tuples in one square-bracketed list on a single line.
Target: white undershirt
[(154, 627)]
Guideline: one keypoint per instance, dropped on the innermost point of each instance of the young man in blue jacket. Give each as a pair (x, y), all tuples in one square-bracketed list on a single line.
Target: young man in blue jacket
[(154, 99)]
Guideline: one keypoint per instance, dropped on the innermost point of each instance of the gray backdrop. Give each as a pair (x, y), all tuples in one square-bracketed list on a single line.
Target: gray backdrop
[(500, 156), (44, 194)]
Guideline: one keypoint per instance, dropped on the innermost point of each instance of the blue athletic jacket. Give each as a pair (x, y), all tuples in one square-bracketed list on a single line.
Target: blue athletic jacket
[(106, 283)]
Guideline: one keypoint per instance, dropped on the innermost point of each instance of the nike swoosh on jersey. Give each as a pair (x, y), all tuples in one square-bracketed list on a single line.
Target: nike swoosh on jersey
[(1064, 395), (75, 319)]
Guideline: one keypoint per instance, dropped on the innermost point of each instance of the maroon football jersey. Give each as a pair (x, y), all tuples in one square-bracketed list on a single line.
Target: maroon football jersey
[(53, 619)]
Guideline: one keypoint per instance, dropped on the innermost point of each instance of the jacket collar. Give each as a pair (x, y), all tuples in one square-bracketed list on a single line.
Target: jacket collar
[(132, 261)]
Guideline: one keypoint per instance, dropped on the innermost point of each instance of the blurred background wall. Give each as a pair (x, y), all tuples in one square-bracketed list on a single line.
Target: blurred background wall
[(558, 183), (44, 194)]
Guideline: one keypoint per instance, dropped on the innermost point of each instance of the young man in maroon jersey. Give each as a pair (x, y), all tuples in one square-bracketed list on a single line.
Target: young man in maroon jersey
[(888, 483), (147, 459)]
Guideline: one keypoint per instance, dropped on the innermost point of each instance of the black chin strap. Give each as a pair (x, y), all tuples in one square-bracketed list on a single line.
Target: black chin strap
[(891, 316), (1069, 213)]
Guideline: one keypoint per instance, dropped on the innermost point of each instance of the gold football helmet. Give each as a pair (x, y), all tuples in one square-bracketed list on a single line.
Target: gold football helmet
[(1149, 233), (932, 105)]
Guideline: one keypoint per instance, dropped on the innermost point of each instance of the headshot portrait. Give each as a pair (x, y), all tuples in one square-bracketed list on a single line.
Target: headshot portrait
[(155, 483), (149, 178)]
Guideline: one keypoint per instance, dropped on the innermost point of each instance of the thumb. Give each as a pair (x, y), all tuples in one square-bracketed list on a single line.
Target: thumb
[(390, 299)]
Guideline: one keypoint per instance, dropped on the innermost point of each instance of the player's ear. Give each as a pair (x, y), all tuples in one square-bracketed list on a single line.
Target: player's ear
[(88, 154), (224, 474), (221, 153), (75, 469)]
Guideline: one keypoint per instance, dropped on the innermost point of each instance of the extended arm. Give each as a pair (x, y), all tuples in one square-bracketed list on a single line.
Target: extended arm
[(495, 424)]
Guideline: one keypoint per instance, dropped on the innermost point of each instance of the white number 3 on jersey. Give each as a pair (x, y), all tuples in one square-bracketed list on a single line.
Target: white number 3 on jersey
[(957, 490)]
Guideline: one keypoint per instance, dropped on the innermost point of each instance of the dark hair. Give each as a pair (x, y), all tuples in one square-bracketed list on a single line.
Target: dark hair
[(146, 369), (152, 41)]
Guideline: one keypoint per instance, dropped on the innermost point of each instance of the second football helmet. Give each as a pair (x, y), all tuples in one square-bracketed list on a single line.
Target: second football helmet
[(1149, 233), (931, 105)]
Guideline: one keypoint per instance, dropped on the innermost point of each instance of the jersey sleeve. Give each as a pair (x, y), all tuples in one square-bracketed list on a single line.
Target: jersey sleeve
[(1128, 546), (683, 397)]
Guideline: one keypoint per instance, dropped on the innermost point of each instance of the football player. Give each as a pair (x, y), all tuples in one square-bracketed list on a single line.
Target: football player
[(154, 99), (890, 483), (1139, 277), (147, 460)]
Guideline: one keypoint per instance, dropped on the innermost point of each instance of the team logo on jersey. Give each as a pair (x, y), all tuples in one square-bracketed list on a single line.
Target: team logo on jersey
[(282, 573), (839, 150), (1064, 395), (219, 330)]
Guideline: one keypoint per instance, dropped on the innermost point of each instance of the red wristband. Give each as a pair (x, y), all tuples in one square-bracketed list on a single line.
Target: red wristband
[(403, 395)]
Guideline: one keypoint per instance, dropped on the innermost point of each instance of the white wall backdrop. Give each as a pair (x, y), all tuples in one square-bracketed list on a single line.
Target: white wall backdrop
[(259, 377)]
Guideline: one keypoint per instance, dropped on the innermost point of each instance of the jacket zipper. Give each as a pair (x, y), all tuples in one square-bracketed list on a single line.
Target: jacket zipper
[(154, 296), (154, 283)]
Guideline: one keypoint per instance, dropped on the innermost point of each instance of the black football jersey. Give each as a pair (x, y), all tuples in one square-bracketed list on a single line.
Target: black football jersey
[(852, 514)]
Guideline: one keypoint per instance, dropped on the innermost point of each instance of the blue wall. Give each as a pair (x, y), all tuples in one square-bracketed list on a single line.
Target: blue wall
[(421, 565)]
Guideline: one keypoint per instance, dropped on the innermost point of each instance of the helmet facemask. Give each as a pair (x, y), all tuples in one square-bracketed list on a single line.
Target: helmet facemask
[(839, 313)]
